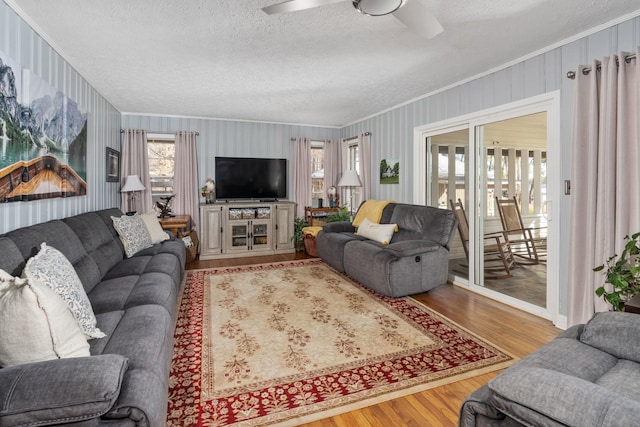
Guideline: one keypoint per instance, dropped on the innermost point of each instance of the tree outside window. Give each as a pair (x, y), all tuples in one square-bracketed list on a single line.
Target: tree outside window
[(161, 167)]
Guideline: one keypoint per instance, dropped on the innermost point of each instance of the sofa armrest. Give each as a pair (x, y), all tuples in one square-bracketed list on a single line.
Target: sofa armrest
[(477, 408), (572, 332), (533, 393), (61, 390), (412, 247), (338, 227)]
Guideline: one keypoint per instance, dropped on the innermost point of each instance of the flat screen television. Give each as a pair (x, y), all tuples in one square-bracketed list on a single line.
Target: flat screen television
[(250, 178)]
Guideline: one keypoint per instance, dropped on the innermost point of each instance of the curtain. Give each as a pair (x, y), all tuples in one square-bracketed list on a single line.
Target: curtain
[(364, 149), (302, 175), (185, 180), (605, 178), (135, 161), (332, 162)]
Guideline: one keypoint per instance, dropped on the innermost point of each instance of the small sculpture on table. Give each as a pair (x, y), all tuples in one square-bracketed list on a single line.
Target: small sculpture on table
[(209, 191), (333, 196), (165, 208)]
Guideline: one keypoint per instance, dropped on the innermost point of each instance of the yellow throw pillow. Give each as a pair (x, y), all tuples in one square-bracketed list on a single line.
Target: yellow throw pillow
[(379, 232)]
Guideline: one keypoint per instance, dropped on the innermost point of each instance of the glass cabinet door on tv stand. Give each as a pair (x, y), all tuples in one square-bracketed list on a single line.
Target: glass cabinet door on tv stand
[(251, 235), (249, 229)]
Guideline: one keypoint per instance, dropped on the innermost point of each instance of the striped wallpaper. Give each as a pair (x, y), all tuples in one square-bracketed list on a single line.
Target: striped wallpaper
[(392, 131)]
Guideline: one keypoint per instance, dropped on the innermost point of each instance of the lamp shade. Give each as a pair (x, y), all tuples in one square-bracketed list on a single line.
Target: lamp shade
[(132, 183), (350, 178)]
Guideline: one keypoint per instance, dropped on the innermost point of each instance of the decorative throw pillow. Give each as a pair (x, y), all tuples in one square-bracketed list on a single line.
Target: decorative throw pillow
[(36, 324), (379, 232), (52, 269), (133, 233), (156, 232)]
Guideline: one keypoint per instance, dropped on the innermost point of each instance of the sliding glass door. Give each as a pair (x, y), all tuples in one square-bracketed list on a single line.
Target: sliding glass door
[(478, 164)]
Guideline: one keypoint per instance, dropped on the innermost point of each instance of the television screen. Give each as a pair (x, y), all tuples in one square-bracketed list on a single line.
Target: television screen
[(250, 178)]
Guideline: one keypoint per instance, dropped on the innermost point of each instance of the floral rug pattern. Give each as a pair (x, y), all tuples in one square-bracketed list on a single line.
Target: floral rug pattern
[(285, 343)]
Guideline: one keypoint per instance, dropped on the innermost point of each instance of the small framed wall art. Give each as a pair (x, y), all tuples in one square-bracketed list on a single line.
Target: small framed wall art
[(113, 165)]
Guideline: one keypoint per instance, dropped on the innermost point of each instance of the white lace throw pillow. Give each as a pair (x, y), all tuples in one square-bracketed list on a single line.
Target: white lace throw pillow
[(133, 233), (52, 269), (36, 324)]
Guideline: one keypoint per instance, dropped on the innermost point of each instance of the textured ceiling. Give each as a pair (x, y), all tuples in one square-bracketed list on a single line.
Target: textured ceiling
[(327, 66)]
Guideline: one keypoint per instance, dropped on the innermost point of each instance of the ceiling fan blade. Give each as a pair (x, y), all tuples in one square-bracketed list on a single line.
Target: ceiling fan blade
[(418, 19), (295, 5)]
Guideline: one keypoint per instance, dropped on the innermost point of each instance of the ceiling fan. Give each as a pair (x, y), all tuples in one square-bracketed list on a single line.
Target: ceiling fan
[(411, 13)]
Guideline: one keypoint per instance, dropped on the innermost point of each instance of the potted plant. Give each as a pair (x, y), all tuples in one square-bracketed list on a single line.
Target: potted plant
[(340, 215), (623, 274), (298, 238)]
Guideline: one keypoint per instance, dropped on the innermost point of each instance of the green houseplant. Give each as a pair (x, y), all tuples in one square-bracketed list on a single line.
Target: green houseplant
[(298, 238), (622, 273), (340, 215)]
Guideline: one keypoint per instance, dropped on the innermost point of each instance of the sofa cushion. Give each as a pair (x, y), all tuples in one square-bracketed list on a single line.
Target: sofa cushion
[(423, 223), (35, 324), (91, 386), (615, 333), (105, 215), (571, 357), (133, 233), (129, 291), (153, 227), (381, 233), (623, 378), (59, 235), (98, 241), (11, 260), (50, 268), (149, 352)]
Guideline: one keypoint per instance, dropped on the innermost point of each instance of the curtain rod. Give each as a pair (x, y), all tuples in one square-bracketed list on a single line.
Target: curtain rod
[(348, 139), (572, 74), (158, 131)]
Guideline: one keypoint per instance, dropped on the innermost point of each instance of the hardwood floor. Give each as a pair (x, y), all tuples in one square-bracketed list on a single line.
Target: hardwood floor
[(515, 331)]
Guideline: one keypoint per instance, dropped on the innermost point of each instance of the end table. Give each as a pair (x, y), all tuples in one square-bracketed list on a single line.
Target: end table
[(175, 223)]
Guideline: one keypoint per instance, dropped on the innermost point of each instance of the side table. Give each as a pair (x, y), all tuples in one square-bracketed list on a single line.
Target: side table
[(175, 223), (633, 305), (315, 216)]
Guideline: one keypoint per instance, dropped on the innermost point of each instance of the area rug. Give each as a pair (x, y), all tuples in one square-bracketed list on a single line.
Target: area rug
[(288, 343)]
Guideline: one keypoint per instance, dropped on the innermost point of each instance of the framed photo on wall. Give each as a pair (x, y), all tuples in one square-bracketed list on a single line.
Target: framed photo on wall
[(113, 165), (390, 171)]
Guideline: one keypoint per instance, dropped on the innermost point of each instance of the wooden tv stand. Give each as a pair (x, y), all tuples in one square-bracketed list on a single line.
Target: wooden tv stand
[(237, 229)]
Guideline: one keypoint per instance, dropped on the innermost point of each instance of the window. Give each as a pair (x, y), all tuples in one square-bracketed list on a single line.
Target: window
[(161, 153), (353, 162), (353, 157), (317, 170)]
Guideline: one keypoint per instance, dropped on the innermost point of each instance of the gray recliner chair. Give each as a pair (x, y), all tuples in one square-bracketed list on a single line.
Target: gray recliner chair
[(415, 260), (588, 376)]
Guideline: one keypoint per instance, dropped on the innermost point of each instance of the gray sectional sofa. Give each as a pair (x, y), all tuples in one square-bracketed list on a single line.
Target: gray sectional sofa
[(125, 380), (415, 260), (588, 376)]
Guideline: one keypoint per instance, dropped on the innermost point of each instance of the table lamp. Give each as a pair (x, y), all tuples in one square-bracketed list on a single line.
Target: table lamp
[(350, 179), (132, 185)]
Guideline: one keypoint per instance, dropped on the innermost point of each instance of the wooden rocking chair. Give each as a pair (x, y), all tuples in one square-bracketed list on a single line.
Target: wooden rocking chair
[(497, 253), (528, 244)]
